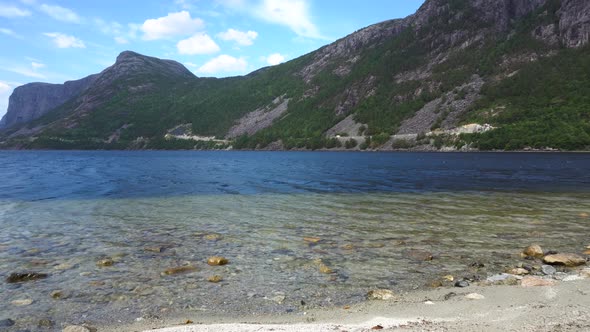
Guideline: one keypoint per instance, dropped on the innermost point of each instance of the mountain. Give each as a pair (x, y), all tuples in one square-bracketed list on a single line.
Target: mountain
[(458, 74)]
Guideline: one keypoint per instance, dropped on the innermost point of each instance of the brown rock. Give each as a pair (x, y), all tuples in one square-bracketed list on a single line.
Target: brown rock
[(325, 269), (312, 239), (214, 279), (435, 284), (529, 281), (154, 249), (348, 247), (565, 259), (217, 260), (25, 276), (584, 215), (587, 252), (105, 262), (418, 255), (179, 269), (534, 250), (380, 294), (213, 237)]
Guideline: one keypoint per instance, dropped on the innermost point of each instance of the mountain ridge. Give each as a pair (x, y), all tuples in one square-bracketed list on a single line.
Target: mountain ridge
[(403, 83)]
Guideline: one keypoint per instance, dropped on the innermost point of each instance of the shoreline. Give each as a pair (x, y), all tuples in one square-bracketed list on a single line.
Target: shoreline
[(564, 306)]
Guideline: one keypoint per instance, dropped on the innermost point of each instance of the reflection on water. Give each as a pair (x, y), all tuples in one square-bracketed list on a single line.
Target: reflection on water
[(364, 238)]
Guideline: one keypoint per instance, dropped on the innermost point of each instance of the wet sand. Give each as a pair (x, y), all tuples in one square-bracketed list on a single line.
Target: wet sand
[(564, 306)]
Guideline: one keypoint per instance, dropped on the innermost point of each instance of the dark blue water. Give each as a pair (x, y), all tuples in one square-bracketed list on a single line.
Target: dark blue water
[(42, 175)]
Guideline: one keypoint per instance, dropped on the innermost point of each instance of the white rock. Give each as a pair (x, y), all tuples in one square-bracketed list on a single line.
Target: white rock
[(429, 302), (573, 278), (22, 303), (75, 328), (474, 296)]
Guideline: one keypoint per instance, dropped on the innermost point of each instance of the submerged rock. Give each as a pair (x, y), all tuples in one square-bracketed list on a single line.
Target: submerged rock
[(45, 323), (217, 260), (179, 269), (22, 303), (212, 237), (105, 262), (380, 294), (6, 322), (564, 259), (25, 276), (325, 269), (548, 270), (215, 279), (418, 255), (311, 239), (534, 250)]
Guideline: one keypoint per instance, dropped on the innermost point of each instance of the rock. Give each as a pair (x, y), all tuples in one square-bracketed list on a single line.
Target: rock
[(534, 250), (105, 262), (380, 294), (377, 327), (518, 271), (278, 298), (22, 303), (548, 270), (564, 259), (428, 302), (212, 237), (435, 284), (215, 279), (63, 266), (530, 281), (25, 276), (499, 277), (587, 252), (418, 255), (584, 215), (155, 249), (449, 278), (474, 296), (449, 296), (179, 269), (312, 239), (573, 278), (75, 328), (6, 322), (325, 269), (217, 260), (462, 283), (477, 265), (348, 247), (58, 294), (45, 323)]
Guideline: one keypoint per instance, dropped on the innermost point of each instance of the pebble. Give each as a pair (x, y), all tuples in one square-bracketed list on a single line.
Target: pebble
[(518, 271), (536, 282), (105, 262), (533, 250), (278, 299), (75, 328), (217, 260), (325, 269), (25, 276), (428, 302), (215, 279), (449, 278), (179, 269), (380, 294), (462, 283), (6, 322), (58, 294), (46, 323), (548, 270), (474, 296), (311, 239), (569, 260), (22, 303)]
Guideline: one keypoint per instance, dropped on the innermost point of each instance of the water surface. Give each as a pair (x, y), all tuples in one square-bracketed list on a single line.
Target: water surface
[(61, 212)]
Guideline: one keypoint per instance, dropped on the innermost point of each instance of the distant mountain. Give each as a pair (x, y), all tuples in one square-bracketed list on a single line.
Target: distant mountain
[(458, 74)]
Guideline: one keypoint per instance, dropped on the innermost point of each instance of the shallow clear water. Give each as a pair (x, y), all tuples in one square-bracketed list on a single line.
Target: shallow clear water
[(61, 212)]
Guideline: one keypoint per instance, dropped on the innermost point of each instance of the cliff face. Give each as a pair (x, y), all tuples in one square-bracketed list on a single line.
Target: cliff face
[(30, 101)]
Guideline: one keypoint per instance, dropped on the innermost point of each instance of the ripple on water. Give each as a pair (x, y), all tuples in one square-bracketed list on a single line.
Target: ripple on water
[(363, 238)]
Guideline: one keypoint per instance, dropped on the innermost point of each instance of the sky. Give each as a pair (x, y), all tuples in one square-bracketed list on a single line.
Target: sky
[(60, 40)]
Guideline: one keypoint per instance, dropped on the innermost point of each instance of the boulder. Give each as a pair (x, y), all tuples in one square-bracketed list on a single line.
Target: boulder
[(564, 259), (534, 250)]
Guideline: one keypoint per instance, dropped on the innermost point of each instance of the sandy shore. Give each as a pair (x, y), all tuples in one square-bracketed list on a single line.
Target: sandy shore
[(564, 306)]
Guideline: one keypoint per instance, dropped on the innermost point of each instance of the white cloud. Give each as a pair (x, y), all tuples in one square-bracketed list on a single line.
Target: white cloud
[(10, 33), (12, 11), (60, 13), (293, 14), (37, 65), (274, 59), (25, 72), (65, 41), (5, 91), (240, 37), (175, 24), (121, 40), (190, 64), (200, 43), (224, 63)]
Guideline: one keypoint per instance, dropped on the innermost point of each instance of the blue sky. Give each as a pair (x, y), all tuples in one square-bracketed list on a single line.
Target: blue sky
[(59, 40)]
